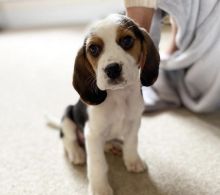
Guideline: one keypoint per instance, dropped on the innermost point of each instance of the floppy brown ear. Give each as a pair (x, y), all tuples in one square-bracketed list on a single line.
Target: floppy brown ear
[(84, 80), (151, 60)]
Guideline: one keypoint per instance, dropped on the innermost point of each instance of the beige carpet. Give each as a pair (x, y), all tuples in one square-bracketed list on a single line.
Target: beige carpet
[(182, 150)]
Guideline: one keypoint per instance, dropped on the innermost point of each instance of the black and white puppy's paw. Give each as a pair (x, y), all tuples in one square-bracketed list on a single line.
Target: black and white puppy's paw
[(72, 132), (136, 165), (75, 153), (100, 190)]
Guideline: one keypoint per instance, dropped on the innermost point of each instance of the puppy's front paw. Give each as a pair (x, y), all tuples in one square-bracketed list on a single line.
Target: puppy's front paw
[(136, 165), (100, 190)]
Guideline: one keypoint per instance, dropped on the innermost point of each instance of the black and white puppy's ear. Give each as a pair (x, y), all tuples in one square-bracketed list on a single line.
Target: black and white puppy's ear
[(150, 60), (84, 80)]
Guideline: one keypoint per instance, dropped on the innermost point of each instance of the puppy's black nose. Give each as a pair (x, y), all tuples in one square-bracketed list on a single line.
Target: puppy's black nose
[(113, 70)]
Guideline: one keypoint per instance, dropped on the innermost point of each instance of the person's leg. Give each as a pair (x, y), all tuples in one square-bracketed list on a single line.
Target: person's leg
[(162, 95), (141, 15), (172, 47)]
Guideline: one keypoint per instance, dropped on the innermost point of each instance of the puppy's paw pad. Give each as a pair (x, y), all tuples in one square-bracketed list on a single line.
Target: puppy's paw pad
[(114, 147), (101, 190), (113, 150), (136, 166), (77, 156)]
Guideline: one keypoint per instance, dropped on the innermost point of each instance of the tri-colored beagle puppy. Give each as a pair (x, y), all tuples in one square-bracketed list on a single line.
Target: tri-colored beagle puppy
[(116, 58)]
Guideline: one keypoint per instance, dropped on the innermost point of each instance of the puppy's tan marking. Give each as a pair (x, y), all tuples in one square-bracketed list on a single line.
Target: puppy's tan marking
[(135, 50), (94, 40)]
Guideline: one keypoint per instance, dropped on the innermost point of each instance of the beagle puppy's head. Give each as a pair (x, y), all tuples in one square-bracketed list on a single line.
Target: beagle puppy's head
[(116, 53)]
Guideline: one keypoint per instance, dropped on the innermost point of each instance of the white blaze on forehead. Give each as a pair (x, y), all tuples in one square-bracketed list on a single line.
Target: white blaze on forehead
[(106, 29)]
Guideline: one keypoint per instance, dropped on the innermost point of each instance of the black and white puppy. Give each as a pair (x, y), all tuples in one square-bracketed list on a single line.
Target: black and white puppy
[(116, 58)]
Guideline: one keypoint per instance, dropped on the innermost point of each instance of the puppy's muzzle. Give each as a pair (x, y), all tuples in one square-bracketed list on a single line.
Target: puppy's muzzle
[(113, 71)]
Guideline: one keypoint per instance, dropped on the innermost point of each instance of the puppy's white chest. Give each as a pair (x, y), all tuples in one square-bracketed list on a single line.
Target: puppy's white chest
[(122, 116), (113, 118)]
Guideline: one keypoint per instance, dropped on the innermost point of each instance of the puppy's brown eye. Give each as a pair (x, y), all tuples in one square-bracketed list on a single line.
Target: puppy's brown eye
[(94, 50), (126, 42)]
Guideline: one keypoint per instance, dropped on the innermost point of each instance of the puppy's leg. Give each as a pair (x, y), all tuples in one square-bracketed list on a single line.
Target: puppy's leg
[(75, 153), (131, 157), (97, 166)]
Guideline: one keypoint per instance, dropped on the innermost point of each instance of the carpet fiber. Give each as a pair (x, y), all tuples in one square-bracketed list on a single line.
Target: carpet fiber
[(181, 149)]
